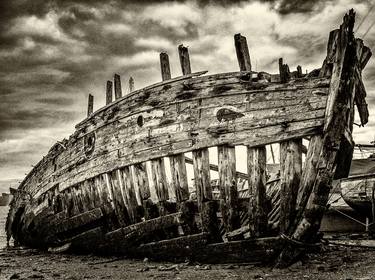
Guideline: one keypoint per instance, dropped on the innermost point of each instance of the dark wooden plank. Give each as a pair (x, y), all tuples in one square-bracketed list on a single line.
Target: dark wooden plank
[(164, 66), (131, 84), (202, 181), (242, 52), (290, 171), (129, 193), (90, 105), (183, 53), (179, 177), (109, 93), (256, 167), (160, 183), (326, 70), (228, 187), (118, 90)]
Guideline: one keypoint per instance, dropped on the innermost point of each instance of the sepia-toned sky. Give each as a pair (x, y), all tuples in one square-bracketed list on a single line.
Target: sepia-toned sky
[(54, 53)]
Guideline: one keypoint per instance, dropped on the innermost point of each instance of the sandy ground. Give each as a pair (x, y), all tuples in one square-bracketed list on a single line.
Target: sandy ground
[(332, 263)]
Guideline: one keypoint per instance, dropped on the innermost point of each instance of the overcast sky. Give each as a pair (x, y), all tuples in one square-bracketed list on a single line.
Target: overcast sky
[(54, 53)]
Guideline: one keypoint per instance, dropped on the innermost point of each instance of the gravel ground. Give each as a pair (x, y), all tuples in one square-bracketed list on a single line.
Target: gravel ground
[(331, 263)]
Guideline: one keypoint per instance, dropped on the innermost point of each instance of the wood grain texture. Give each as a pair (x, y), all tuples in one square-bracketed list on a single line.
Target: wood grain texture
[(118, 89), (179, 177), (183, 54), (109, 93)]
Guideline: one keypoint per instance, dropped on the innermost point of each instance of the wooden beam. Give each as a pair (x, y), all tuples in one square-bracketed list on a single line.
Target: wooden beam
[(326, 70), (131, 84), (242, 52), (256, 167), (90, 105), (228, 187), (164, 66), (202, 181), (284, 71), (109, 93), (290, 170), (160, 183), (183, 53), (179, 177), (118, 90)]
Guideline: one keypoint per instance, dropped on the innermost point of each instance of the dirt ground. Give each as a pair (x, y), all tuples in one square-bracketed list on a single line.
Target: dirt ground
[(331, 263)]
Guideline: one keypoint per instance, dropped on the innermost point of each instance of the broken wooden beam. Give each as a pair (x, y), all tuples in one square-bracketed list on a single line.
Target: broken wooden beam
[(164, 66), (90, 105), (256, 167), (290, 173), (242, 51), (183, 53), (131, 84), (228, 187), (109, 93), (118, 90)]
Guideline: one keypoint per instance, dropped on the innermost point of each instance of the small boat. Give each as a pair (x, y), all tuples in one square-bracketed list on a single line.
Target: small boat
[(4, 199), (358, 190), (106, 189)]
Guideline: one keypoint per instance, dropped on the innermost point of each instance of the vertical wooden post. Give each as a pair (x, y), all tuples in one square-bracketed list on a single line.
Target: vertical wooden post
[(284, 71), (118, 90), (129, 196), (141, 179), (228, 187), (131, 84), (256, 162), (109, 93), (242, 50), (160, 180), (183, 53), (179, 178), (164, 66), (202, 180), (90, 106), (256, 168), (290, 170), (299, 71)]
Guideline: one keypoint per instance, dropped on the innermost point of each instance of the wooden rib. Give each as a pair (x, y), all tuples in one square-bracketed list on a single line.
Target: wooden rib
[(160, 183), (120, 207), (141, 179), (326, 70), (90, 105), (202, 181), (131, 84), (242, 52), (256, 167), (164, 66), (129, 193), (183, 53), (179, 178), (118, 90), (228, 187), (290, 170), (109, 93)]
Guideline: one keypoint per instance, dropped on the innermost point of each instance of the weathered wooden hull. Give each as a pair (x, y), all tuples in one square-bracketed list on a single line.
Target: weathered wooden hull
[(106, 188)]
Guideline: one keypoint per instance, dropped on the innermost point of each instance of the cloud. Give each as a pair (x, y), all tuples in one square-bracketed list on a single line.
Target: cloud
[(57, 52)]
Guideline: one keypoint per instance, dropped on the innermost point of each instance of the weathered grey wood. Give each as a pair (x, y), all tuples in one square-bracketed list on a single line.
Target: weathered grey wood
[(341, 91), (131, 84), (164, 66), (90, 106), (284, 71), (109, 93), (118, 90), (160, 183), (290, 171), (256, 167), (183, 53), (326, 70), (128, 193), (299, 71), (121, 209), (228, 187), (202, 181), (141, 179), (242, 51), (179, 177)]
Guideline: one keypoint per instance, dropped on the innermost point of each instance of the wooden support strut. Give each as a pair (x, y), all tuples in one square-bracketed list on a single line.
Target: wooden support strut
[(336, 122), (131, 84), (183, 53), (109, 93), (290, 170), (118, 90), (228, 187), (202, 181), (164, 66), (256, 163), (90, 105), (160, 183)]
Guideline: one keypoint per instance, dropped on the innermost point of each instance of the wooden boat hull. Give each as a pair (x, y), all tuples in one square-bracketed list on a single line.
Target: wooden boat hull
[(106, 188), (358, 193)]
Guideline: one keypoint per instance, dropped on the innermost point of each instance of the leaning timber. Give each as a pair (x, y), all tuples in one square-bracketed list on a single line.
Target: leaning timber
[(119, 184)]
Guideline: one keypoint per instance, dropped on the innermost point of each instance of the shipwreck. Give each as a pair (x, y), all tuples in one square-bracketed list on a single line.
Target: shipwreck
[(92, 192)]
